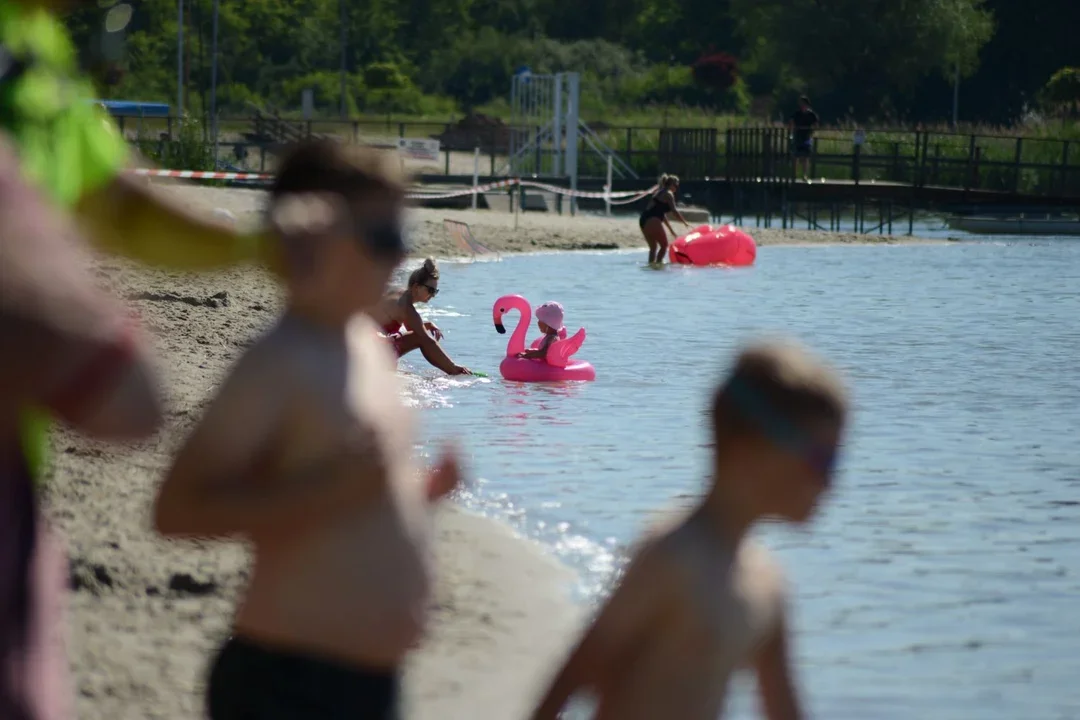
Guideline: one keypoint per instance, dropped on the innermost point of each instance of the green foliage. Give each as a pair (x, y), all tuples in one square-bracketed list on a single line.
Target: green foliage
[(1062, 92), (869, 52), (189, 150), (859, 58)]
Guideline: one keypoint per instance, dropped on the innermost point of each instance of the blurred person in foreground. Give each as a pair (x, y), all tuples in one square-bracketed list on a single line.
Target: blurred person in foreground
[(306, 451), (69, 350), (70, 147), (699, 599)]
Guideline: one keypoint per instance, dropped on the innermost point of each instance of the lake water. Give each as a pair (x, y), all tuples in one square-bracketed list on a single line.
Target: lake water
[(942, 578)]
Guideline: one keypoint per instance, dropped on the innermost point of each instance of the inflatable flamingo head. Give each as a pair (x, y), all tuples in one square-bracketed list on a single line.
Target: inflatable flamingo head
[(504, 305)]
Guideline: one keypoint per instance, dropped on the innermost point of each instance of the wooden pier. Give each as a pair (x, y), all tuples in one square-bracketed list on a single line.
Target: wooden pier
[(877, 180), (755, 179)]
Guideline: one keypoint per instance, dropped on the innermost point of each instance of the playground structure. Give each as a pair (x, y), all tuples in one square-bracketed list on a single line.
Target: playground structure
[(546, 131)]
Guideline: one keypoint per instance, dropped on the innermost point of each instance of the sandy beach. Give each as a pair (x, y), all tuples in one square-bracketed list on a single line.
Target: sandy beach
[(146, 613)]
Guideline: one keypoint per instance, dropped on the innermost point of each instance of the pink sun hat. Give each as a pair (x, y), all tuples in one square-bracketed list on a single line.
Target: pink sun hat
[(551, 314)]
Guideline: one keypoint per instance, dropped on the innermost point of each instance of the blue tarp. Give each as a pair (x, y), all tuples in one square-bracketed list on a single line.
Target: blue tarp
[(128, 108)]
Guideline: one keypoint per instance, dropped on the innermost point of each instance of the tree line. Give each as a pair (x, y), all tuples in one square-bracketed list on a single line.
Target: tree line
[(889, 61)]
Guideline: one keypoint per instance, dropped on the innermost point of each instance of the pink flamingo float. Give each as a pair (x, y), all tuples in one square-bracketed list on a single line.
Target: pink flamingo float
[(556, 366)]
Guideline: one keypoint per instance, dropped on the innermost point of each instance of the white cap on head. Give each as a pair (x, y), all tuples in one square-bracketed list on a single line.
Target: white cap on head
[(551, 314)]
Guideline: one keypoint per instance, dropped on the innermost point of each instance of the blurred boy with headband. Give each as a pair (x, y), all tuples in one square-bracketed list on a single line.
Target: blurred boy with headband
[(699, 600)]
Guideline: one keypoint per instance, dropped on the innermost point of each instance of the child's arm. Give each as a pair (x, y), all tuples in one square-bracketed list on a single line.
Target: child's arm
[(444, 477), (775, 686), (533, 353), (628, 615), (222, 450), (213, 488), (538, 353)]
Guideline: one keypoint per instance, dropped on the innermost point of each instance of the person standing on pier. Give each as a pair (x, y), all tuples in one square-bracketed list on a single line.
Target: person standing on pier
[(802, 124)]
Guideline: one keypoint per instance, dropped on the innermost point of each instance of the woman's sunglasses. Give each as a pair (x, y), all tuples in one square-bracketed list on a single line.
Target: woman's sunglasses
[(433, 291)]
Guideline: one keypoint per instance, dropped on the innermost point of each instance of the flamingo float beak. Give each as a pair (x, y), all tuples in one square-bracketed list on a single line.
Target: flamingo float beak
[(500, 328), (498, 316)]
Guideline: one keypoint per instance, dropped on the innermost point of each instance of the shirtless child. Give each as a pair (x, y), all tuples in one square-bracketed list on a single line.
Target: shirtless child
[(305, 451), (699, 600)]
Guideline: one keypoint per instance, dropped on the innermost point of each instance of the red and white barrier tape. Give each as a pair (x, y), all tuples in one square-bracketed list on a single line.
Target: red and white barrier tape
[(200, 175), (581, 193), (433, 195), (622, 197), (640, 196)]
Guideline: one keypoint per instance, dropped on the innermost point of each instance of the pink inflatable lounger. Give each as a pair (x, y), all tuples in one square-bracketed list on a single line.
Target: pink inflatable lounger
[(706, 245)]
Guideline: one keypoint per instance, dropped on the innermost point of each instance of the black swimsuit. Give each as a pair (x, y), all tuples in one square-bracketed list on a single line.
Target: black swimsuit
[(250, 681), (656, 208)]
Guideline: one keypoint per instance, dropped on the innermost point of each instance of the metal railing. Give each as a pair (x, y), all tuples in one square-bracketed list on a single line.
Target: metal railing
[(1040, 166)]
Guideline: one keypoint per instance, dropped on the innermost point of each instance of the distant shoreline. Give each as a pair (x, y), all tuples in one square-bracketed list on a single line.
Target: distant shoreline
[(536, 231)]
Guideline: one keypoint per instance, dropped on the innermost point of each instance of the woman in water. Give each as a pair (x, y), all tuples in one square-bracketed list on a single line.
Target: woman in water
[(400, 322), (654, 218)]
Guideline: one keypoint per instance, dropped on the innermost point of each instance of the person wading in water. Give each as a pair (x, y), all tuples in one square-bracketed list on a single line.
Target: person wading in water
[(654, 218)]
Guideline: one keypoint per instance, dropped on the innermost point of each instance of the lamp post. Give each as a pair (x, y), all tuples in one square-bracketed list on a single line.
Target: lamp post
[(213, 85), (956, 98), (341, 12), (180, 59)]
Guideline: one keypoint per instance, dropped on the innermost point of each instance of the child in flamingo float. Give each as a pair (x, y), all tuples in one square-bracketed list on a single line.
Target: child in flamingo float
[(549, 318)]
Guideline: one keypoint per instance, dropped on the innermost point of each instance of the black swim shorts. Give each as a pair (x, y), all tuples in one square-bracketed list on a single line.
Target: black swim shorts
[(250, 681)]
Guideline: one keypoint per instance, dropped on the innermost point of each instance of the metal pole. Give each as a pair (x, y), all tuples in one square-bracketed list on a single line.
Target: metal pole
[(956, 98), (213, 85), (513, 122), (180, 59), (558, 129), (475, 175), (572, 137), (341, 11), (607, 188)]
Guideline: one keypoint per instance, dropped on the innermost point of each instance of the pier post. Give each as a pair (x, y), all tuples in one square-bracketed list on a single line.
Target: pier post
[(515, 199), (1064, 167), (475, 174), (1016, 167), (607, 187)]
